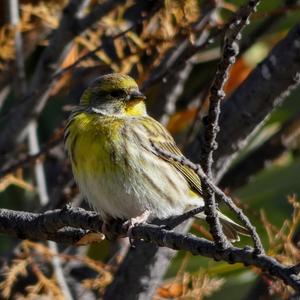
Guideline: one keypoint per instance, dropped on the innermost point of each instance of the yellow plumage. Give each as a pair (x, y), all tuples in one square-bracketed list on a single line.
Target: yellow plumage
[(110, 138)]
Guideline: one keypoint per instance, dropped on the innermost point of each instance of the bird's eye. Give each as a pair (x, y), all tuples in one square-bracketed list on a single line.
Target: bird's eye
[(117, 94)]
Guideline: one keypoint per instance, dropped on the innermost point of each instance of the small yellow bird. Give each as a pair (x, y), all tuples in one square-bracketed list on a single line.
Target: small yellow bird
[(109, 139)]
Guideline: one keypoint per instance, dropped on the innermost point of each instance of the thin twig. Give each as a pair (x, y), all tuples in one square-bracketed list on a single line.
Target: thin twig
[(30, 158), (14, 17), (41, 85), (205, 180), (174, 221), (39, 172), (41, 183), (275, 146), (230, 51), (91, 53)]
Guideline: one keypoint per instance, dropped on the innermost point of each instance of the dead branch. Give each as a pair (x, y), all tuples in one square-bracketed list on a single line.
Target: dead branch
[(279, 143), (229, 53), (264, 90), (70, 225)]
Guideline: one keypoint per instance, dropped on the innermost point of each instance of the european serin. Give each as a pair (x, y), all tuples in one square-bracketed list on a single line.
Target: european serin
[(110, 138)]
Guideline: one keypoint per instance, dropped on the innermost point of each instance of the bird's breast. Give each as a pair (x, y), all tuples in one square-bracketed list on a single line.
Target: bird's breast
[(117, 173), (92, 143)]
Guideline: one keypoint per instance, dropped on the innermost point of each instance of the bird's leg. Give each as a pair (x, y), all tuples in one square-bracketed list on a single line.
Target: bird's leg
[(108, 227), (136, 220)]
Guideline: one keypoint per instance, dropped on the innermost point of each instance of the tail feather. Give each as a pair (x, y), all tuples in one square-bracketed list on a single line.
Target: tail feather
[(231, 229)]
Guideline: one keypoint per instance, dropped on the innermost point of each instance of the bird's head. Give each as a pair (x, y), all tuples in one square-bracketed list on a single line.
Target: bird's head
[(114, 94)]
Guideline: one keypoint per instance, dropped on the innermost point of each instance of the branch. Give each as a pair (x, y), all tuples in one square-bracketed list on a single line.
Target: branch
[(200, 246), (205, 180), (59, 225), (42, 191), (152, 263), (266, 24), (31, 158), (280, 142), (176, 57), (170, 65), (229, 53), (217, 94), (247, 109), (42, 82), (44, 226)]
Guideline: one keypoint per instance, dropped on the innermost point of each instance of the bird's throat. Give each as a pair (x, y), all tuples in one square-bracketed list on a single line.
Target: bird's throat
[(135, 108)]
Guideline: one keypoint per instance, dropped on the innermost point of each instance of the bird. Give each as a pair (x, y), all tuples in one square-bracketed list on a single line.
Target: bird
[(112, 144)]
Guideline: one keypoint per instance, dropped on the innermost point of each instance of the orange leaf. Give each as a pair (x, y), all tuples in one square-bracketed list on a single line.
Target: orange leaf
[(237, 75), (69, 60), (181, 120), (171, 290)]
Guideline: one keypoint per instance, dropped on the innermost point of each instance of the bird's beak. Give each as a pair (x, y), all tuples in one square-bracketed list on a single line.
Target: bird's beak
[(136, 95)]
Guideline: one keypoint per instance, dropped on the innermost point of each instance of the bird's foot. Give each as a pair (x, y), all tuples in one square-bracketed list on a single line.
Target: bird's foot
[(110, 227), (129, 224)]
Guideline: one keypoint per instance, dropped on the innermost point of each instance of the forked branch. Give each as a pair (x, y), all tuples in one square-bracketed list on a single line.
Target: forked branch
[(72, 225)]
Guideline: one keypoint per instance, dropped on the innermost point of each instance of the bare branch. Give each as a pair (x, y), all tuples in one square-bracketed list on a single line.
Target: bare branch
[(199, 246), (42, 190), (149, 269), (14, 17), (229, 53), (205, 180), (31, 158), (56, 225), (248, 108), (278, 144), (42, 82), (178, 56)]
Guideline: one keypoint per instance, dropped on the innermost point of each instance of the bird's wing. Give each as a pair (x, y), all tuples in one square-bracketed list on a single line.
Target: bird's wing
[(160, 138)]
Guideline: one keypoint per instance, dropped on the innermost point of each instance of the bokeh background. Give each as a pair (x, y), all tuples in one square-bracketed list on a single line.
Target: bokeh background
[(136, 37)]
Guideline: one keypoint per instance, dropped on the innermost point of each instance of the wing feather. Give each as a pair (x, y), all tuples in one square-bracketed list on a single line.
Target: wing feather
[(162, 139)]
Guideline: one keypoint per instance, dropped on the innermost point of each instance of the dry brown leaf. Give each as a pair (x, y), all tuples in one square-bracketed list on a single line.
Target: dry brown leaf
[(12, 179), (170, 290), (17, 268), (99, 283), (282, 247), (190, 287), (65, 79), (91, 237), (7, 51), (44, 285)]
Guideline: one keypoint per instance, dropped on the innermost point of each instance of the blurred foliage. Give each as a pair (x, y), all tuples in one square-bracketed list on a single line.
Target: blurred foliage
[(138, 53)]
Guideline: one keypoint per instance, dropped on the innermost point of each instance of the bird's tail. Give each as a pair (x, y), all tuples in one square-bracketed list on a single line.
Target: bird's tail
[(231, 229)]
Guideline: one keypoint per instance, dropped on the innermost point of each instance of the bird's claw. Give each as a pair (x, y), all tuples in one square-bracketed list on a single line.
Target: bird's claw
[(132, 222)]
